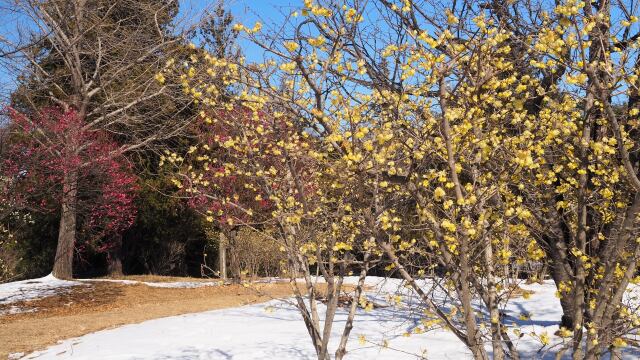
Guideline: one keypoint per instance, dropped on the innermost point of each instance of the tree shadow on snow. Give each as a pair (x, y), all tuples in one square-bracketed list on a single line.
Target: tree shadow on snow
[(270, 352)]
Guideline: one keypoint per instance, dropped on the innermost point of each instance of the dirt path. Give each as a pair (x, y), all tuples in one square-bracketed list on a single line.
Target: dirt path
[(104, 305)]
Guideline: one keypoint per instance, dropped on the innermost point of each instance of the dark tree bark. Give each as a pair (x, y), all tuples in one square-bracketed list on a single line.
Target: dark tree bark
[(114, 257), (63, 263), (560, 275), (234, 260)]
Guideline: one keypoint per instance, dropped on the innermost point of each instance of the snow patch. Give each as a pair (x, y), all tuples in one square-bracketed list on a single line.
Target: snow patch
[(184, 284), (16, 310), (33, 289), (172, 285)]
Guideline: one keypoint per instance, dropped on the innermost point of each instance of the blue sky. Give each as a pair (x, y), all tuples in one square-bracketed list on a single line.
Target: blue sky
[(246, 12)]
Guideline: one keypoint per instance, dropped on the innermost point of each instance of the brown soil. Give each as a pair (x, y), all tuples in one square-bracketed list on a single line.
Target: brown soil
[(103, 305)]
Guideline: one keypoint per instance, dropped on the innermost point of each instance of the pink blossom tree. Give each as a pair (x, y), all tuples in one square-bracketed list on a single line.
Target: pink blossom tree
[(59, 165)]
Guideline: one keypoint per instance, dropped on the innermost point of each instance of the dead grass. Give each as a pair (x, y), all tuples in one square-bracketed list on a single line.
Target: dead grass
[(104, 305), (518, 292)]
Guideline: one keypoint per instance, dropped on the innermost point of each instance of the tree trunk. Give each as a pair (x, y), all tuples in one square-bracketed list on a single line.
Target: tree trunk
[(63, 263), (342, 347), (234, 261), (470, 321), (567, 304), (492, 303), (560, 275), (222, 256), (115, 257)]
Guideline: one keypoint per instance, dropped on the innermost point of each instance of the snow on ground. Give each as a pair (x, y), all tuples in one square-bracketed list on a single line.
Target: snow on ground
[(275, 331), (15, 310), (182, 284), (172, 284), (33, 289), (264, 331)]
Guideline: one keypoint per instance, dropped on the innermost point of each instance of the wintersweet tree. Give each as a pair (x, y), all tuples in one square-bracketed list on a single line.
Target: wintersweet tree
[(533, 122), (435, 184), (585, 186), (368, 145), (45, 152), (560, 86), (465, 135), (262, 166), (223, 196)]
